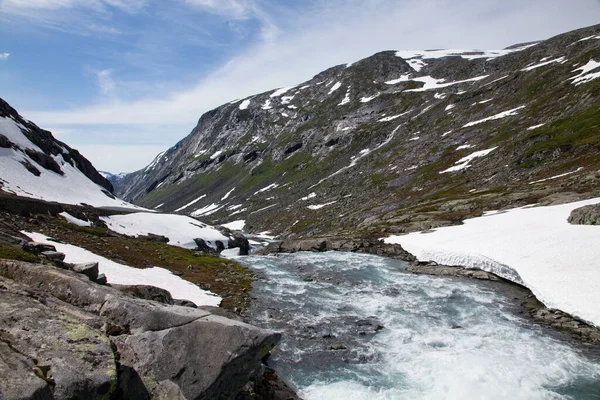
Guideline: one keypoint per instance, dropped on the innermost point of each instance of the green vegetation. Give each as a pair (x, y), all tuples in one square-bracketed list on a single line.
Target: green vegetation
[(12, 253), (566, 134), (91, 230)]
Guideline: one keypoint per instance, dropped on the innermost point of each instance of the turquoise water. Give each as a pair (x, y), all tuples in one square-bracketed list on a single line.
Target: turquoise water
[(404, 336)]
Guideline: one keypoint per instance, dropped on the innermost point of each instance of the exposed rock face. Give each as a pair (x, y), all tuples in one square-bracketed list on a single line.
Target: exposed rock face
[(50, 147), (367, 246), (50, 349), (61, 327), (587, 215), (372, 148)]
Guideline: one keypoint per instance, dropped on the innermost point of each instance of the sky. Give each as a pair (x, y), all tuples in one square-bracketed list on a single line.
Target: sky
[(122, 80)]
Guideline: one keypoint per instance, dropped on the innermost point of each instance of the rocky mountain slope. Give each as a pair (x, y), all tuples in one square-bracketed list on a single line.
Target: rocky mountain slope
[(34, 164), (395, 142)]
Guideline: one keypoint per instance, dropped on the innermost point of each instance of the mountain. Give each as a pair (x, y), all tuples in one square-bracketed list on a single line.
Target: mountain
[(396, 142), (112, 178), (35, 164)]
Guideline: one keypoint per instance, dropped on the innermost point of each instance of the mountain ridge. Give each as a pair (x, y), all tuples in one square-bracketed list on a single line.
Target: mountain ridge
[(395, 142)]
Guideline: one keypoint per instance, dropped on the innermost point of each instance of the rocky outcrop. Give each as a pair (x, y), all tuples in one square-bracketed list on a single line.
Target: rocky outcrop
[(367, 246), (63, 336), (432, 268), (586, 215)]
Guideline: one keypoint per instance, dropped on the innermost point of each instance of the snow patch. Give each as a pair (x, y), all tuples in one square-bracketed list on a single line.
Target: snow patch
[(206, 210), (244, 105), (319, 206), (335, 87), (235, 225), (557, 176), (463, 163), (531, 128), (72, 220), (584, 76), (542, 64), (281, 91), (271, 186), (368, 99), (494, 117), (534, 246), (190, 203), (308, 197), (125, 275), (227, 194), (180, 229)]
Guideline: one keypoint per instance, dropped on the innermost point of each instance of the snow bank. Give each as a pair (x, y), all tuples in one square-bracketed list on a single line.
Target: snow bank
[(124, 275), (73, 220), (534, 246), (180, 229)]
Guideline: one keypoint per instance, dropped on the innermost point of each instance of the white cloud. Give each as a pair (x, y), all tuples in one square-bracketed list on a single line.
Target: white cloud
[(230, 8), (106, 83), (18, 6), (4, 56)]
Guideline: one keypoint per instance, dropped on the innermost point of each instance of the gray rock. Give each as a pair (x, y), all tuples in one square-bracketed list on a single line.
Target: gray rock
[(367, 246), (101, 279), (240, 241), (164, 357), (151, 237), (164, 350), (53, 255), (38, 248), (184, 303), (147, 292), (50, 349), (4, 142), (88, 269), (586, 215)]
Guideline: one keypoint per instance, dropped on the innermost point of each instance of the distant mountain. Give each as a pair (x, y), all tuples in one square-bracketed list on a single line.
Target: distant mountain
[(35, 164), (395, 142), (112, 178)]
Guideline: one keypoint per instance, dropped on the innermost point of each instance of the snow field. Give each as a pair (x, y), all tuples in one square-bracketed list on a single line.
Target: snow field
[(180, 229), (124, 275), (535, 246)]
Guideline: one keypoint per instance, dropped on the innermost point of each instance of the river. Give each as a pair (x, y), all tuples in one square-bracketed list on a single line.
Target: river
[(361, 327)]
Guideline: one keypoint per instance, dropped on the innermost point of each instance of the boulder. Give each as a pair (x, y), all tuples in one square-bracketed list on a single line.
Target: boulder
[(231, 354), (101, 279), (164, 351), (586, 215), (50, 349), (53, 255), (88, 269), (151, 237), (37, 248), (147, 292), (240, 241), (203, 247)]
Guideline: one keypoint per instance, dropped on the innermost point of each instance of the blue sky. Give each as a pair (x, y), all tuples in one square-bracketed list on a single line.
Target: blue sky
[(121, 80)]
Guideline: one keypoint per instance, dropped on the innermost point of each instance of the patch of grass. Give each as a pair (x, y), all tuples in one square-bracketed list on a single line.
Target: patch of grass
[(12, 253), (565, 134)]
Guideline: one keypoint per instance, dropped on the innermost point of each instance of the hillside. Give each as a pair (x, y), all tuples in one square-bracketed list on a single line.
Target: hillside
[(34, 164), (399, 141)]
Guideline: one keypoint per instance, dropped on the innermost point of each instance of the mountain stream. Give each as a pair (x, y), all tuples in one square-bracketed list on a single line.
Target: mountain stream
[(361, 327)]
